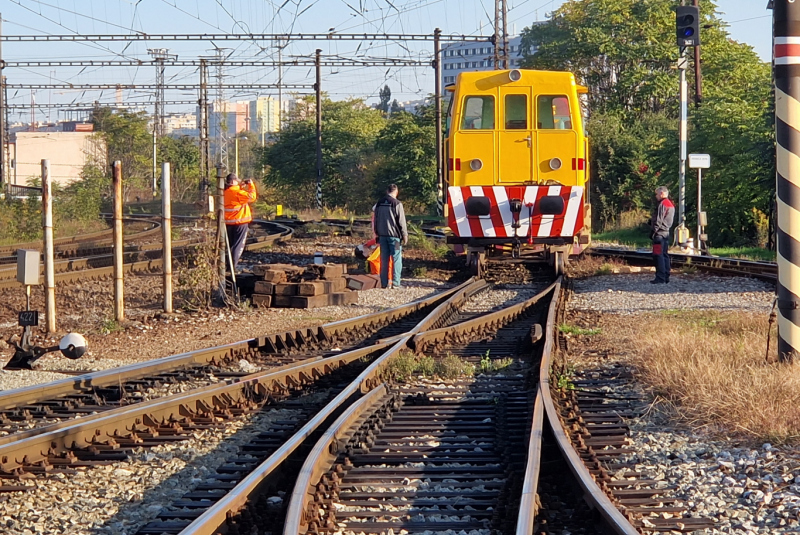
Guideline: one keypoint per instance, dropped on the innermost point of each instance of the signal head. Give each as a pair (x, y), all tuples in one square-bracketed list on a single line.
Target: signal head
[(687, 26)]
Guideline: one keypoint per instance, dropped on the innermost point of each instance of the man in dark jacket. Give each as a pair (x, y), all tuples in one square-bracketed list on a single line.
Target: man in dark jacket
[(661, 225), (389, 225)]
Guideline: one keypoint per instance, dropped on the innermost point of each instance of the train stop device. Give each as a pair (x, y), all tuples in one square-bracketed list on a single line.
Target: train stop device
[(72, 346)]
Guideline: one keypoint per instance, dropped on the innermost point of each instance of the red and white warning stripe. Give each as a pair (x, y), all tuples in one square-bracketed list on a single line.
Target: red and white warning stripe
[(498, 224), (787, 50)]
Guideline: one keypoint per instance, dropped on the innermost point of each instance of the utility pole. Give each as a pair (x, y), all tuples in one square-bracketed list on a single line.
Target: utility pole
[(698, 73), (500, 34), (681, 232), (687, 32), (222, 114), (318, 89), (4, 181), (786, 35), (159, 119), (280, 90), (437, 66), (205, 145)]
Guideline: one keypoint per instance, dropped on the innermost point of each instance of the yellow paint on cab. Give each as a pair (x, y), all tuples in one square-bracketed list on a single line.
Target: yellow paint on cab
[(523, 132)]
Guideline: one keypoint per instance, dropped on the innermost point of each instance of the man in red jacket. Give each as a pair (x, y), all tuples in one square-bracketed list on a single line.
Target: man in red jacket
[(237, 213), (660, 235)]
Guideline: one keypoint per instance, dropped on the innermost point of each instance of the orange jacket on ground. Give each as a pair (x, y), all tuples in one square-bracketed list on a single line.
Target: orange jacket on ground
[(237, 209)]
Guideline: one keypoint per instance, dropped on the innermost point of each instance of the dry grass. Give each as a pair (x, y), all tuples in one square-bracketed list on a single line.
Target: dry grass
[(710, 368)]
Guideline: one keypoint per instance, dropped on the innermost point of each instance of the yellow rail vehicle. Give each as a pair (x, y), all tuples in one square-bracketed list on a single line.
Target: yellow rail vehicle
[(517, 159)]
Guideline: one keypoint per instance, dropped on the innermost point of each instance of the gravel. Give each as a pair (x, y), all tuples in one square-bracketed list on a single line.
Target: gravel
[(633, 294), (154, 337), (119, 498), (745, 489)]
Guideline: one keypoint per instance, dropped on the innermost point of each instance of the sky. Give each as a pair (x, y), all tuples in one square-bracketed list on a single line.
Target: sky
[(748, 21)]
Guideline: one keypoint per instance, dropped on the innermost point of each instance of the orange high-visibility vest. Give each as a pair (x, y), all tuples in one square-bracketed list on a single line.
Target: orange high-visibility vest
[(237, 209)]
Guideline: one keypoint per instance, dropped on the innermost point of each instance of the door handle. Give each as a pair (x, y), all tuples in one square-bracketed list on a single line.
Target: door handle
[(529, 140)]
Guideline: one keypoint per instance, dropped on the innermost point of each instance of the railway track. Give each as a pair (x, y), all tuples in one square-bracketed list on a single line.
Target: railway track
[(361, 449), (766, 271), (25, 410), (72, 445), (140, 258)]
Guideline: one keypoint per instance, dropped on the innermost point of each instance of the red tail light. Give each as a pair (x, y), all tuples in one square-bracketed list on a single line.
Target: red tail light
[(451, 165), (578, 164)]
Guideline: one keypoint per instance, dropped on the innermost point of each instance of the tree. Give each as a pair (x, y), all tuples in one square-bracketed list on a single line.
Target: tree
[(624, 51), (396, 107), (183, 155), (408, 146), (385, 95), (349, 129), (128, 141)]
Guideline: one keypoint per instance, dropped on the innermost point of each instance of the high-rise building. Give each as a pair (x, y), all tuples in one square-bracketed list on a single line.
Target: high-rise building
[(264, 116), (234, 115), (472, 56)]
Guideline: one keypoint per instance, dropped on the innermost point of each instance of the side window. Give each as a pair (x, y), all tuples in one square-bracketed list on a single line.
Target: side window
[(516, 112), (553, 113), (478, 113), (449, 120)]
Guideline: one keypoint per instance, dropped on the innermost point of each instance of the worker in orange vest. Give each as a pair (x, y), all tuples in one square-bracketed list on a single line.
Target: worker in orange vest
[(237, 213)]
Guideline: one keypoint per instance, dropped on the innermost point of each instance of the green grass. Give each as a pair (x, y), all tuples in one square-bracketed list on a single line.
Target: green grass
[(634, 237), (749, 253), (571, 329)]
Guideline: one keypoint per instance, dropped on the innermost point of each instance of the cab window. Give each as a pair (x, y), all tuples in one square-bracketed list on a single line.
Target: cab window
[(516, 108), (553, 113), (478, 113)]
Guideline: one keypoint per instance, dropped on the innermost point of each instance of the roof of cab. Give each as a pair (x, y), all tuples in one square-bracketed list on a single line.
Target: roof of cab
[(544, 81)]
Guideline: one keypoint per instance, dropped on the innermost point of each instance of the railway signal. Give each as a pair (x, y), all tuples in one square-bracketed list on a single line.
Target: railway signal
[(687, 25)]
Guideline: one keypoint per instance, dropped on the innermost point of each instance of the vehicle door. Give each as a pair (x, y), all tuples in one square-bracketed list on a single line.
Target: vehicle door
[(516, 136)]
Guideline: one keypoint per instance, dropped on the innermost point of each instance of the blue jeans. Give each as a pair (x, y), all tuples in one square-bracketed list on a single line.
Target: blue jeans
[(390, 247), (663, 264)]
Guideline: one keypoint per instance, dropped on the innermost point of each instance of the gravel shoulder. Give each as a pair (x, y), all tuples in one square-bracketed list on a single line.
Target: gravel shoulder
[(87, 307), (748, 488)]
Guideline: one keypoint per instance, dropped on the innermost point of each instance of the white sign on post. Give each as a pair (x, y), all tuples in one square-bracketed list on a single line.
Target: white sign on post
[(699, 161)]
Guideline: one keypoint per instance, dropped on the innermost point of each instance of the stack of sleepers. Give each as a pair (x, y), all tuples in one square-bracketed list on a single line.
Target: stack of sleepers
[(288, 286)]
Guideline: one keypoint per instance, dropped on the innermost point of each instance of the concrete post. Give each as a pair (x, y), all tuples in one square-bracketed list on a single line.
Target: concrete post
[(119, 290), (318, 90), (49, 254), (221, 230), (786, 29), (166, 227)]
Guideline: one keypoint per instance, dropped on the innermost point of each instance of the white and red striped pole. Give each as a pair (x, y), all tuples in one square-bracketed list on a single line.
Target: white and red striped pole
[(786, 33)]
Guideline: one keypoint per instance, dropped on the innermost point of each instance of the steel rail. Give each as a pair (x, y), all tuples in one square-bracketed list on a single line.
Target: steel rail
[(32, 394), (766, 271), (100, 236), (67, 273), (592, 492), (425, 341), (324, 453), (211, 519), (530, 482), (105, 429)]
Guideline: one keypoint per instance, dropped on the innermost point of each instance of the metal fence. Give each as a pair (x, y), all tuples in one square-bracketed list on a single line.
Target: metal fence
[(16, 191)]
